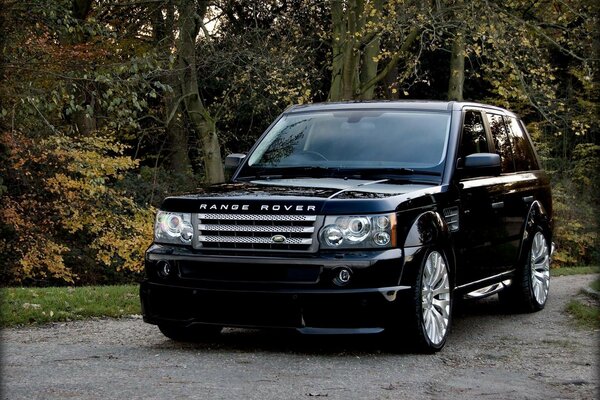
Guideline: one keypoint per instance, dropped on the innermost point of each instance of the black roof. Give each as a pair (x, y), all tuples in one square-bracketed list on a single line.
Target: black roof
[(425, 105)]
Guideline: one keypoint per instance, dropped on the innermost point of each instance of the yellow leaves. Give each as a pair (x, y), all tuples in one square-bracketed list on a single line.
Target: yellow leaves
[(125, 240), (74, 194), (476, 48), (44, 258)]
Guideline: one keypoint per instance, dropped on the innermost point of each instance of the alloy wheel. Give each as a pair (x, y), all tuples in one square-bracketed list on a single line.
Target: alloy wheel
[(435, 298), (539, 261)]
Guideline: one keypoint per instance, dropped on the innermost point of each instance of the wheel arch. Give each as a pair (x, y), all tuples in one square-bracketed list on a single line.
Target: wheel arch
[(429, 229), (536, 216)]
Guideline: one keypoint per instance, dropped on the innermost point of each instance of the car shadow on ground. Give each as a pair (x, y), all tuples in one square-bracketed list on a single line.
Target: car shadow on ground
[(281, 341), (466, 313)]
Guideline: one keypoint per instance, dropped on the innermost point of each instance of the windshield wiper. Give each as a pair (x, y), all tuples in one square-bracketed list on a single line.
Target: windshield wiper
[(387, 173), (338, 172)]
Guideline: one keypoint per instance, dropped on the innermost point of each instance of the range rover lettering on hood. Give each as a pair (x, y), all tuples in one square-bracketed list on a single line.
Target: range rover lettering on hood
[(263, 207)]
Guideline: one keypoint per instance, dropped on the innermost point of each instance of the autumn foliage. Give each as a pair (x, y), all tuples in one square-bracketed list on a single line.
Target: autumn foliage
[(66, 215), (100, 117), (64, 194)]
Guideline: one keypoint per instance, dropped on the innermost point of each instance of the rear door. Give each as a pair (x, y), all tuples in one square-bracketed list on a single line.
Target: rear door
[(516, 190), (526, 186)]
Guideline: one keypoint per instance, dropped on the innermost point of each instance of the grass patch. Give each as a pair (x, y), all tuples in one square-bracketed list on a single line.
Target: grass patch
[(596, 285), (586, 307), (565, 344), (586, 314), (588, 269), (43, 305)]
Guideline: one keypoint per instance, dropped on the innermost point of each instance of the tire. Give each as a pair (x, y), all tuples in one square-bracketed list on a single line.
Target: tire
[(430, 305), (193, 333), (530, 286)]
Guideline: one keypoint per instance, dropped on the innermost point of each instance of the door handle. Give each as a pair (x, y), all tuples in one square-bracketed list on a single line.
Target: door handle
[(498, 205), (528, 199)]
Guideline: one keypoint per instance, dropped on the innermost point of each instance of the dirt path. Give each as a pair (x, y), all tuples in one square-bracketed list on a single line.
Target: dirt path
[(489, 355)]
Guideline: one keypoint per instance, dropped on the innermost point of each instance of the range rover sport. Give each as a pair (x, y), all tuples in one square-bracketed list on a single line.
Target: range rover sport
[(361, 217)]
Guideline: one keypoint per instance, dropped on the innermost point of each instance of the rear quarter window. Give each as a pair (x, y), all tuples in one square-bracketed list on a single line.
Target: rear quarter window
[(523, 154)]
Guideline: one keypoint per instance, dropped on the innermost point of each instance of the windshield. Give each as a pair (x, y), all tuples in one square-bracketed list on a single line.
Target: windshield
[(358, 140)]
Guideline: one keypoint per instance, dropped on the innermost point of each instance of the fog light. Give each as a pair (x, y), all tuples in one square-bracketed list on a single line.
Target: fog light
[(343, 277), (164, 269)]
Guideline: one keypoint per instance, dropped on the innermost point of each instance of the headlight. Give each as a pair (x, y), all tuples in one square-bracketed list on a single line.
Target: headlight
[(173, 228), (358, 232)]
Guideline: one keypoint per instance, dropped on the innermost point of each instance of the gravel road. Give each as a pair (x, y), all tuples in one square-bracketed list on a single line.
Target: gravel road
[(489, 354)]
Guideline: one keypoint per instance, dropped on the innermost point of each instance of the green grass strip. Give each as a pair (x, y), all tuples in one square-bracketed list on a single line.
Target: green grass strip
[(596, 285), (586, 315), (588, 269), (585, 308), (19, 306)]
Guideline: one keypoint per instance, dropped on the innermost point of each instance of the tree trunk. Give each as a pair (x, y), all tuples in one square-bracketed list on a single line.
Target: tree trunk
[(371, 50), (83, 121), (351, 54), (164, 39), (457, 68), (346, 21), (408, 42), (390, 83), (190, 19), (337, 45), (355, 74), (179, 159)]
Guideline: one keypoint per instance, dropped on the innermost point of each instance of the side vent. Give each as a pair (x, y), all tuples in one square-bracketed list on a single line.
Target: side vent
[(451, 216)]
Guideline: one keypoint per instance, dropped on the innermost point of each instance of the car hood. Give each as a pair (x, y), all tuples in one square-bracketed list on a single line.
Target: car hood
[(324, 194)]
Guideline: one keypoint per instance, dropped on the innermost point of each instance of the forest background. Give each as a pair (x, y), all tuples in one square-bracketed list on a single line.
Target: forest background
[(107, 106)]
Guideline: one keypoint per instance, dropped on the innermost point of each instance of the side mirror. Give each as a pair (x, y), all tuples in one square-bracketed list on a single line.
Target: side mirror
[(481, 164), (232, 162)]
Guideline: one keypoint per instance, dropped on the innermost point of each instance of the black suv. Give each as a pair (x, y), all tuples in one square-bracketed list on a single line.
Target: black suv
[(358, 218)]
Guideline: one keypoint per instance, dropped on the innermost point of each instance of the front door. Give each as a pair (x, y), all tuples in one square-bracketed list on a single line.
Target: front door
[(481, 210)]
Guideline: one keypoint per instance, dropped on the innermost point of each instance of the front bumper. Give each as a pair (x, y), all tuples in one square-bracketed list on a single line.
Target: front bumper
[(309, 311), (274, 292)]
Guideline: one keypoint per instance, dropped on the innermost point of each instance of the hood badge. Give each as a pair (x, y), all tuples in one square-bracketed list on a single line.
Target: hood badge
[(278, 239)]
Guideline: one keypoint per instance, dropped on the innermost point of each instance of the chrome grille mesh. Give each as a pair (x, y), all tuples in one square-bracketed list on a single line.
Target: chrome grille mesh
[(259, 232), (256, 228), (251, 240), (257, 217)]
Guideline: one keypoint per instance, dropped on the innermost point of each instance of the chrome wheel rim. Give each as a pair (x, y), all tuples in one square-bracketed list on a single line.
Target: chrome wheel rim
[(539, 260), (435, 298)]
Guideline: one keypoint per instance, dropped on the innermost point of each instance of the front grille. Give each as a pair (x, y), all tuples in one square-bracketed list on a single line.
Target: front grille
[(218, 231)]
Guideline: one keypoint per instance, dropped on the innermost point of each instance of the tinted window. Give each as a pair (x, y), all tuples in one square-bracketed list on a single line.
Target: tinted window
[(522, 151), (473, 135), (355, 139), (502, 143)]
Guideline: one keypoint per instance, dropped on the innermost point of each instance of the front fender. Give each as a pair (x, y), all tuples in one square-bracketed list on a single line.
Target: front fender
[(428, 229)]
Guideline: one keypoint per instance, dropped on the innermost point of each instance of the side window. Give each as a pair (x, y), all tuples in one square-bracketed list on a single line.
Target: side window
[(522, 151), (473, 135), (501, 142)]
